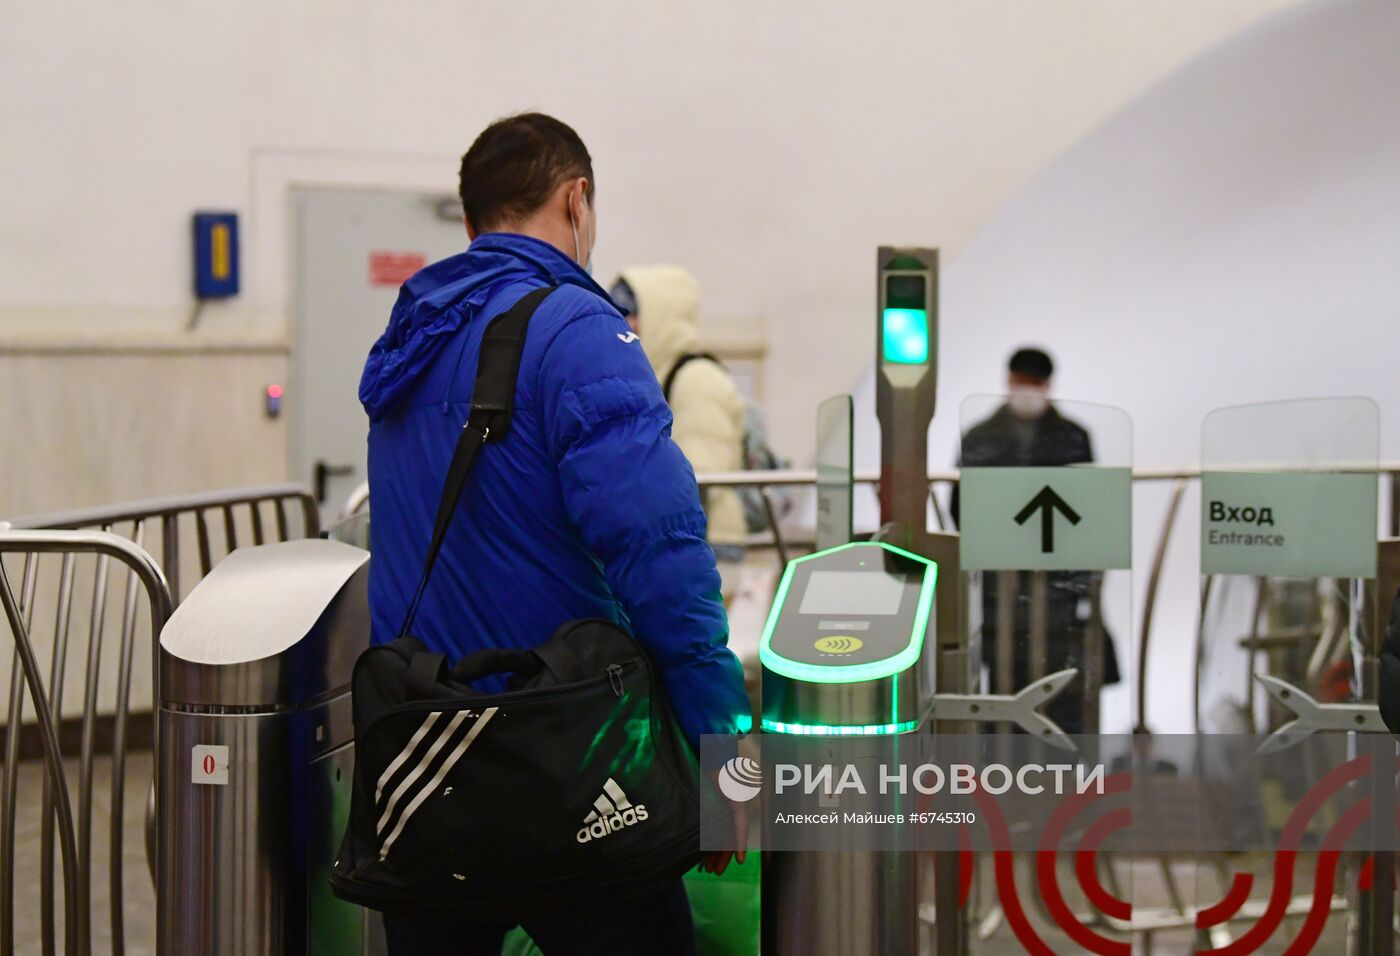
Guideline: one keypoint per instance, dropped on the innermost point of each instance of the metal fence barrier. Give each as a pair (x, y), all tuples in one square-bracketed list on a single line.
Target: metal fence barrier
[(144, 586), (71, 558), (218, 521)]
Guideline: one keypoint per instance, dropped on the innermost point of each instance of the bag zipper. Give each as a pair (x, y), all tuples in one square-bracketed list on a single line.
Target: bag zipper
[(662, 718), (613, 674)]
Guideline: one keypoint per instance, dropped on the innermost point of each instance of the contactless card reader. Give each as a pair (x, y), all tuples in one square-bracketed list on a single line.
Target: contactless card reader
[(842, 641)]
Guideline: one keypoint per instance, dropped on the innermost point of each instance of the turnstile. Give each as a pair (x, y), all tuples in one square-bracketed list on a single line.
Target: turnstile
[(840, 658), (255, 753)]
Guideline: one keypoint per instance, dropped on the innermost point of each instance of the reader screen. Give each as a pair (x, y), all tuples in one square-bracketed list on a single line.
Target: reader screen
[(852, 592)]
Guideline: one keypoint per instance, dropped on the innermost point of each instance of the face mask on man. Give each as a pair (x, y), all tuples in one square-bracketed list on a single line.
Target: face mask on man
[(578, 250), (1027, 401)]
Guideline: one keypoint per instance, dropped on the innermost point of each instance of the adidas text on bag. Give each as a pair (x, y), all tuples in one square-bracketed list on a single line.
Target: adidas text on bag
[(611, 812)]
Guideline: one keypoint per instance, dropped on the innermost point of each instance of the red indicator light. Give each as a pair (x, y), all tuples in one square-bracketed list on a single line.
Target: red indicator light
[(274, 391)]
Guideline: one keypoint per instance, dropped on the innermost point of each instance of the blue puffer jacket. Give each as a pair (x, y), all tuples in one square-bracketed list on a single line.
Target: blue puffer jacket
[(587, 509)]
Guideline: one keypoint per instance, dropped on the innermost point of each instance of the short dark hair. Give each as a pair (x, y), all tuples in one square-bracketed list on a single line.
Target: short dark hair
[(514, 167), (1032, 363)]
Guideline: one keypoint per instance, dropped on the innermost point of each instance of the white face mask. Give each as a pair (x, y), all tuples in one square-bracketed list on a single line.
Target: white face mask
[(1028, 402), (578, 251)]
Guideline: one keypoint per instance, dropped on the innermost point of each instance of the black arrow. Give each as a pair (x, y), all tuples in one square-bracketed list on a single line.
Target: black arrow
[(1047, 502)]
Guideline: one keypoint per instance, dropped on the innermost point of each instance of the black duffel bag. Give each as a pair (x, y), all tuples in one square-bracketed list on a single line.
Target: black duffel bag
[(571, 789)]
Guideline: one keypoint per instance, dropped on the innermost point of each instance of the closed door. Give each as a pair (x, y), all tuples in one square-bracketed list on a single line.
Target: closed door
[(354, 248)]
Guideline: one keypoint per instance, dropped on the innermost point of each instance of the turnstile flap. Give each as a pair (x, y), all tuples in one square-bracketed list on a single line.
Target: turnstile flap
[(273, 626)]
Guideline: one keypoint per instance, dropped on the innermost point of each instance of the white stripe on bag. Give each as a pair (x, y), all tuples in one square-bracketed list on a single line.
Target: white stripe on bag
[(432, 784), (413, 743), (408, 781)]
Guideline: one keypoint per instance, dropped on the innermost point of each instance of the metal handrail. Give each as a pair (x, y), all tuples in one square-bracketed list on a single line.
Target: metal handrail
[(796, 477), (804, 477), (74, 838), (357, 502), (161, 507), (1149, 603), (247, 515), (170, 510)]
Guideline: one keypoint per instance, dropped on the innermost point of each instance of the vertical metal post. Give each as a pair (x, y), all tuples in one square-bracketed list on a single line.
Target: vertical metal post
[(88, 747), (1008, 585), (1091, 676), (255, 512), (1377, 913), (772, 515), (951, 937), (206, 557), (905, 399), (56, 801), (9, 788), (1039, 624), (170, 558), (1149, 605), (905, 393), (118, 782), (230, 529), (76, 900), (906, 387), (1395, 504)]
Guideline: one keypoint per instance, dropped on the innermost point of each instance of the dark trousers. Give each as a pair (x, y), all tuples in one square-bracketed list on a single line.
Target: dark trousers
[(655, 926)]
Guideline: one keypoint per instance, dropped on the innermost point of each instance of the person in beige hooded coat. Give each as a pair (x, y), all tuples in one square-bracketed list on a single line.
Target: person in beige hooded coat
[(706, 405)]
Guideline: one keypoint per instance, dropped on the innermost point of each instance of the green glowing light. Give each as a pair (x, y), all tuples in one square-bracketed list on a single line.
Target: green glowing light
[(838, 730), (849, 673), (905, 336)]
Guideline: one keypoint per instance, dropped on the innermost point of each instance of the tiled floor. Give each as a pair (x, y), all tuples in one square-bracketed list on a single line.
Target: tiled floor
[(138, 905)]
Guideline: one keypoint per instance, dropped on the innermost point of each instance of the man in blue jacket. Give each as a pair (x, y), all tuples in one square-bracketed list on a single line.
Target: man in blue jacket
[(588, 510)]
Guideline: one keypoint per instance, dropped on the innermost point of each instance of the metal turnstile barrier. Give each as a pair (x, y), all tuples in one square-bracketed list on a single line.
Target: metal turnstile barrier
[(255, 753), (94, 615), (69, 821)]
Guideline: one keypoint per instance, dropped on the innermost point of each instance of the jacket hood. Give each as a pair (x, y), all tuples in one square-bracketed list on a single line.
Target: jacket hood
[(668, 307), (441, 298)]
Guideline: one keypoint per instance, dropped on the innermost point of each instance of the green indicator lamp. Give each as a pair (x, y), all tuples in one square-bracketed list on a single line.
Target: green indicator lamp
[(838, 730), (905, 336)]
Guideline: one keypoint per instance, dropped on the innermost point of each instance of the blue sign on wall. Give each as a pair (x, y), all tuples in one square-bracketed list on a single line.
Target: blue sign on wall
[(215, 255)]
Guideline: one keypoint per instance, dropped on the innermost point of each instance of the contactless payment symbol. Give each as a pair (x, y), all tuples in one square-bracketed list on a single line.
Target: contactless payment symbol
[(841, 644)]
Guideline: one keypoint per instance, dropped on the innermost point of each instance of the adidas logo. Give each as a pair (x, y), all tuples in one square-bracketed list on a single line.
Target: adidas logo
[(611, 812)]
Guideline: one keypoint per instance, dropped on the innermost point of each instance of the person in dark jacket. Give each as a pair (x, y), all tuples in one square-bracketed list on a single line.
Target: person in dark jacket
[(1389, 690), (1029, 431), (587, 510)]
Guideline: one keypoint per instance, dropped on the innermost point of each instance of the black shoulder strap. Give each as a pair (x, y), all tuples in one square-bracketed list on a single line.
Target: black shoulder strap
[(681, 363), (493, 401)]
